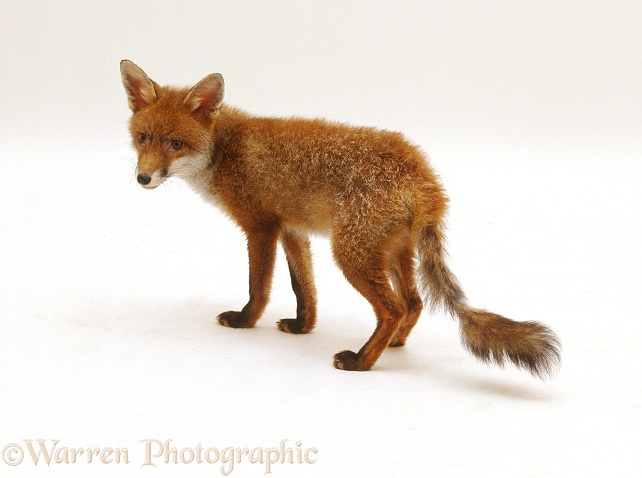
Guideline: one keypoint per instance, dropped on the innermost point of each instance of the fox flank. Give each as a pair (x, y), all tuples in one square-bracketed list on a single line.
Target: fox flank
[(371, 191)]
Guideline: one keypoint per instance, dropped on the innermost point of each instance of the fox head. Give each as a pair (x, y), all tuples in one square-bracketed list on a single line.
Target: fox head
[(171, 128)]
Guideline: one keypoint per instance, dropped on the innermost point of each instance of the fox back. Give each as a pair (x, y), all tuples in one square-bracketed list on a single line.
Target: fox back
[(370, 190)]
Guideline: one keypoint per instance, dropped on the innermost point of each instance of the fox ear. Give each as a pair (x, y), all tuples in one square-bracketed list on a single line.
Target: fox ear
[(141, 91), (206, 96)]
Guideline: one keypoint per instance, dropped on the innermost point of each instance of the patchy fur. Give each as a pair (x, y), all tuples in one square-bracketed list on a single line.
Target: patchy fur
[(371, 191)]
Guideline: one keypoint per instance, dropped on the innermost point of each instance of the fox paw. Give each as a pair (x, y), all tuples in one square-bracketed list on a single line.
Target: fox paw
[(347, 360), (236, 320), (397, 343), (292, 326)]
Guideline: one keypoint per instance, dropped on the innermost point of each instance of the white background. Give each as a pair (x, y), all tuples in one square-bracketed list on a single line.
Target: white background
[(530, 111)]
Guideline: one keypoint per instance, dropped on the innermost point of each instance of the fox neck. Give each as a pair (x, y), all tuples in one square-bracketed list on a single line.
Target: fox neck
[(197, 171)]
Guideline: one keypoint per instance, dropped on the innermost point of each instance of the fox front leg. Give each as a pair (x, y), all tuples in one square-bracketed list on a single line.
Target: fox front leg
[(261, 246), (299, 257)]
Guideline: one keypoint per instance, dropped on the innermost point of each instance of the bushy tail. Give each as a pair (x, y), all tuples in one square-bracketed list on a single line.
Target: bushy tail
[(490, 337)]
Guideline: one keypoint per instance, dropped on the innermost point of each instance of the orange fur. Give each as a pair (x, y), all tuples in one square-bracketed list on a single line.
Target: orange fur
[(370, 190)]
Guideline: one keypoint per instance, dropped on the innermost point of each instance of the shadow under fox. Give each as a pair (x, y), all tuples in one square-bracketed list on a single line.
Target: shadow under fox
[(371, 191)]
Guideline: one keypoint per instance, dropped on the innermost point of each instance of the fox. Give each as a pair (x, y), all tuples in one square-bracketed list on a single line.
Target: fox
[(370, 190)]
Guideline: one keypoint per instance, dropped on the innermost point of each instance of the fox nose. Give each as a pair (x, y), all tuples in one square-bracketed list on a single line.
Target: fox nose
[(144, 179)]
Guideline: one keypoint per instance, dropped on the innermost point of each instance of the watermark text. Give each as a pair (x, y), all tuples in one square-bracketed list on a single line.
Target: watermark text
[(154, 453)]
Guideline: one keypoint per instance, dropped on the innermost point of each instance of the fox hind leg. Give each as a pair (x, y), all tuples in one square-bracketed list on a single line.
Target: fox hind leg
[(369, 274), (299, 258), (406, 287)]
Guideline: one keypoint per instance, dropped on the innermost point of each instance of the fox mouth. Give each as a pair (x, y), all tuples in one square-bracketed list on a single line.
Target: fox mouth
[(151, 181), (150, 186), (186, 167)]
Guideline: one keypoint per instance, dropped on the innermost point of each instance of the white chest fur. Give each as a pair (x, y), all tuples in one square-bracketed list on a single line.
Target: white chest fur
[(197, 172)]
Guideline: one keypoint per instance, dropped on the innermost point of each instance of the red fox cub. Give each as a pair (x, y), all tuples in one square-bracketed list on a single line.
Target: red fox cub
[(370, 190)]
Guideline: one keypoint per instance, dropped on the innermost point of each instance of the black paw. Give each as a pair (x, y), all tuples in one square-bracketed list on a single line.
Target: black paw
[(236, 320), (347, 360), (292, 326), (397, 343)]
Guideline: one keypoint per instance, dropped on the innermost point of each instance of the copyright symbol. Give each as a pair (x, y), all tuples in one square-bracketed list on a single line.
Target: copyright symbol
[(12, 454)]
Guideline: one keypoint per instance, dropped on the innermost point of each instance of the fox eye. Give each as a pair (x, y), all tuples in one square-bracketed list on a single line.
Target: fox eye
[(142, 138), (176, 145)]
